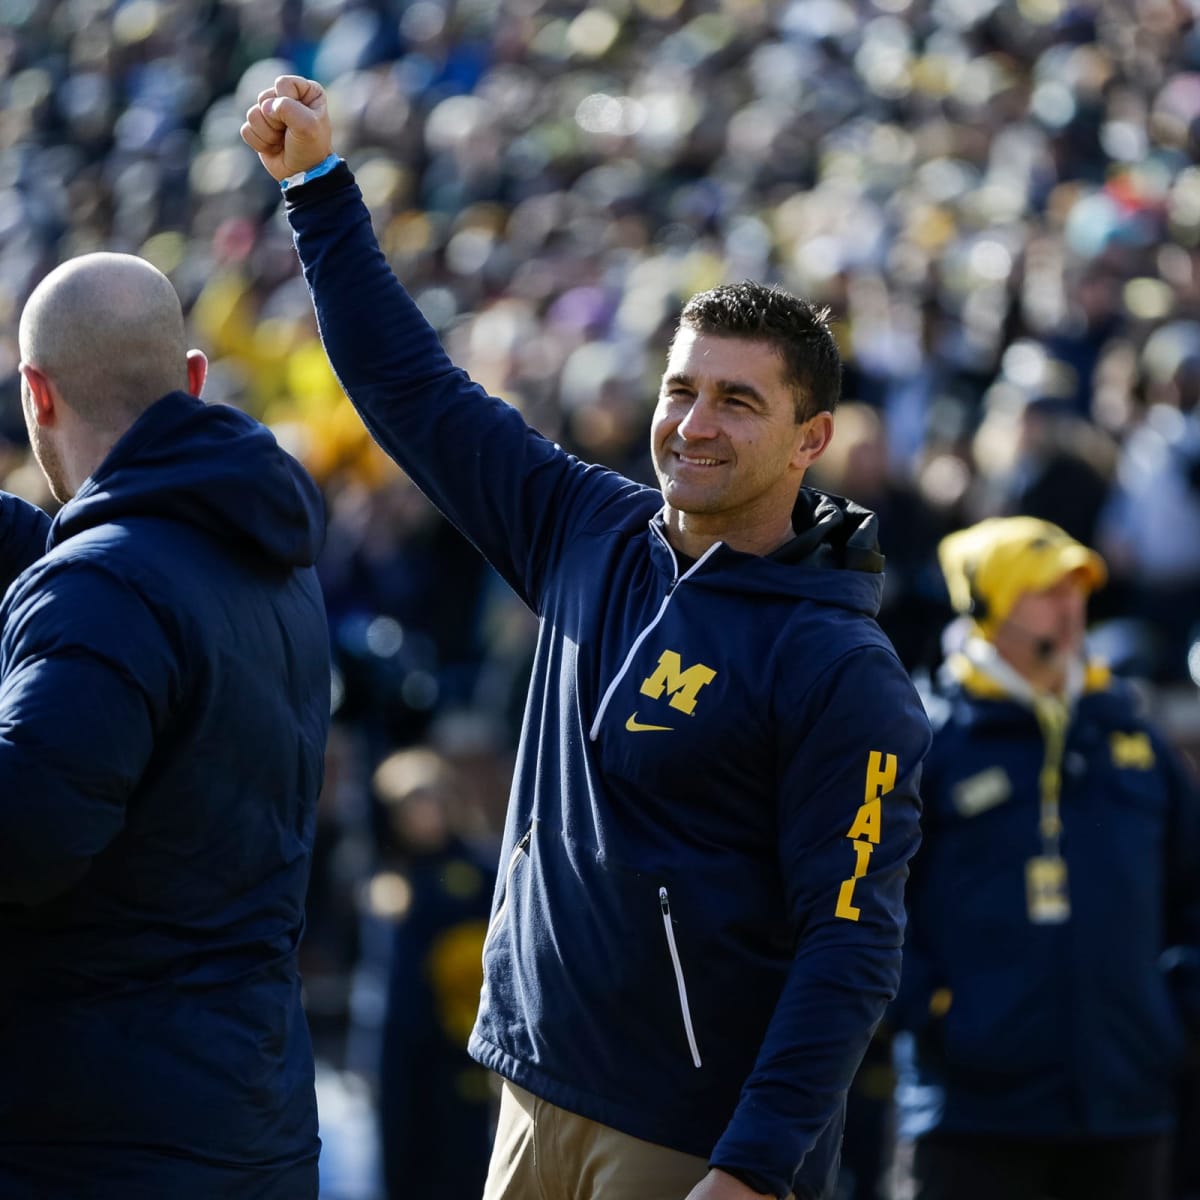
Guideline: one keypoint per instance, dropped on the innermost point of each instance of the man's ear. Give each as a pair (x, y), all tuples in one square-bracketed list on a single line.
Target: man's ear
[(812, 440), (42, 398), (197, 372)]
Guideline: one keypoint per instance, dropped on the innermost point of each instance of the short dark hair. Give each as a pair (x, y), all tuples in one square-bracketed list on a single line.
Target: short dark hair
[(798, 332)]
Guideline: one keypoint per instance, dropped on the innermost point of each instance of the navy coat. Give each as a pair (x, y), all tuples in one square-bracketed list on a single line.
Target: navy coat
[(1069, 1030), (164, 699)]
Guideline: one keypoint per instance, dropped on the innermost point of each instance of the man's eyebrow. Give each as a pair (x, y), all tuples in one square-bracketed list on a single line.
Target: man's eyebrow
[(735, 387), (726, 387), (679, 377)]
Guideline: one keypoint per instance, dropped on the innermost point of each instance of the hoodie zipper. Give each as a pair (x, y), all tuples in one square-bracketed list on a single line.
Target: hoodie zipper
[(518, 851), (664, 902), (594, 732)]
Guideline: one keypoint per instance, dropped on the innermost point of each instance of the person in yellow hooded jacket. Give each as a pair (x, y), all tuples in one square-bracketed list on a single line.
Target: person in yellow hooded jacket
[(1051, 979)]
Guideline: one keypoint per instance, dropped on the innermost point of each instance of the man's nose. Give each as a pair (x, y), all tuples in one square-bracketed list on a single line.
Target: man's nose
[(700, 422)]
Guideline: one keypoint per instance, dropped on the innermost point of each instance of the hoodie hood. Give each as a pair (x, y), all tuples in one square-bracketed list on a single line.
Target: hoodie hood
[(833, 532), (206, 465), (834, 558)]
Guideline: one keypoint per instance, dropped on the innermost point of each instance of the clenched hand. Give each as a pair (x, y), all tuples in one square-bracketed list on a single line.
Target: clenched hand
[(289, 126)]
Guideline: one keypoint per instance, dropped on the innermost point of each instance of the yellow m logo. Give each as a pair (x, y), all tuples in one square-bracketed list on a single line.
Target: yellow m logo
[(682, 685), (1133, 750)]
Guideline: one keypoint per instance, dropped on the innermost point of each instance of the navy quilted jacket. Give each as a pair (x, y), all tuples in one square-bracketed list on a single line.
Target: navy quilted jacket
[(164, 697)]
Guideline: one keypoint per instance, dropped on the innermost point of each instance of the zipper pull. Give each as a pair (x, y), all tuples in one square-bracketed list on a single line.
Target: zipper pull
[(664, 902)]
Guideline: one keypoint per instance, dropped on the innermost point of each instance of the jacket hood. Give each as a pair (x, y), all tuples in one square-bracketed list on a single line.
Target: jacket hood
[(206, 465), (834, 559)]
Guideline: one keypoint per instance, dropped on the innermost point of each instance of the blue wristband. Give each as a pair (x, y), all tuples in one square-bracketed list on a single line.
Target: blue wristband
[(322, 168)]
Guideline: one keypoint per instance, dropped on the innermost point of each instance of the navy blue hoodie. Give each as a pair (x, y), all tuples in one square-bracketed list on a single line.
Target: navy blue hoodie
[(164, 698), (699, 916)]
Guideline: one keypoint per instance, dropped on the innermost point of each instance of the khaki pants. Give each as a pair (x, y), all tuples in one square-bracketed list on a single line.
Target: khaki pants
[(545, 1153)]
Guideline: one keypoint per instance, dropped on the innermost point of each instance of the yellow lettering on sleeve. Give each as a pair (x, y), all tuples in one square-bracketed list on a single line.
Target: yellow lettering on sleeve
[(866, 828), (881, 774), (846, 892), (867, 821)]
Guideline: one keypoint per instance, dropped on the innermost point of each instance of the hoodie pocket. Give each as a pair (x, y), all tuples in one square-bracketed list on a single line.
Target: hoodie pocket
[(664, 903), (519, 852)]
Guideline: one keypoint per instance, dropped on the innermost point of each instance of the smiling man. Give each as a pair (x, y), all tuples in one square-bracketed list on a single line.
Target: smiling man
[(699, 916), (741, 414)]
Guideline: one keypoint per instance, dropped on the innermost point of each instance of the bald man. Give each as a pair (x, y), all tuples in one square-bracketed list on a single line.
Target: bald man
[(164, 698), (105, 330)]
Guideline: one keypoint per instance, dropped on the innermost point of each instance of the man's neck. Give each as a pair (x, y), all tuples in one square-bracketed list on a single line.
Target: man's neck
[(1063, 684), (83, 453), (692, 535), (1046, 676)]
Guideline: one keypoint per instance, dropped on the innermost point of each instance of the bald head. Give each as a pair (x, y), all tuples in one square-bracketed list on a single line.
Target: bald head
[(107, 330)]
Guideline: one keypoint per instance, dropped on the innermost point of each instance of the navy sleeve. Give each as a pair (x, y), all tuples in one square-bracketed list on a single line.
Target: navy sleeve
[(23, 531), (848, 824), (517, 496), (87, 673)]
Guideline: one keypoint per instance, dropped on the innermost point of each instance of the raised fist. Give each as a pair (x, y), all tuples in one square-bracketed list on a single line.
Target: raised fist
[(289, 126)]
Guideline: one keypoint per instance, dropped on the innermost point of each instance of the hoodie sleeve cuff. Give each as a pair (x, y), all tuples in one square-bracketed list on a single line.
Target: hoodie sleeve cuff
[(333, 180), (762, 1184)]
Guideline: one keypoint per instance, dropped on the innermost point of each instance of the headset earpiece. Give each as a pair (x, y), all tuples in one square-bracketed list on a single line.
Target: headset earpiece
[(979, 605)]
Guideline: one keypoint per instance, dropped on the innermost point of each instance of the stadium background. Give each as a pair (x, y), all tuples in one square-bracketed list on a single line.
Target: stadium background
[(999, 199)]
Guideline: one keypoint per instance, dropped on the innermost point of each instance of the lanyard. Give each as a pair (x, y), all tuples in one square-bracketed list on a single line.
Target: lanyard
[(1052, 717)]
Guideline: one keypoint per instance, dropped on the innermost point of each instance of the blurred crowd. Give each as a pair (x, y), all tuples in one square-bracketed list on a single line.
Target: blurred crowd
[(998, 199)]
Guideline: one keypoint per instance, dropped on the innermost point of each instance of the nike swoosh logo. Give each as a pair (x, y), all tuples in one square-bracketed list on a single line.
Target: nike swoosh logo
[(635, 726)]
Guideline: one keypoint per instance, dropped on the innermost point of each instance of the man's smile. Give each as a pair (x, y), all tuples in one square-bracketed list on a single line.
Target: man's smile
[(698, 460)]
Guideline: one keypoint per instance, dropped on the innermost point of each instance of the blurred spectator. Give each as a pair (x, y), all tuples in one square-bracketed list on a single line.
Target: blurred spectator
[(344, 854), (1036, 455), (1151, 528), (1051, 979), (857, 465), (425, 919), (405, 593)]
